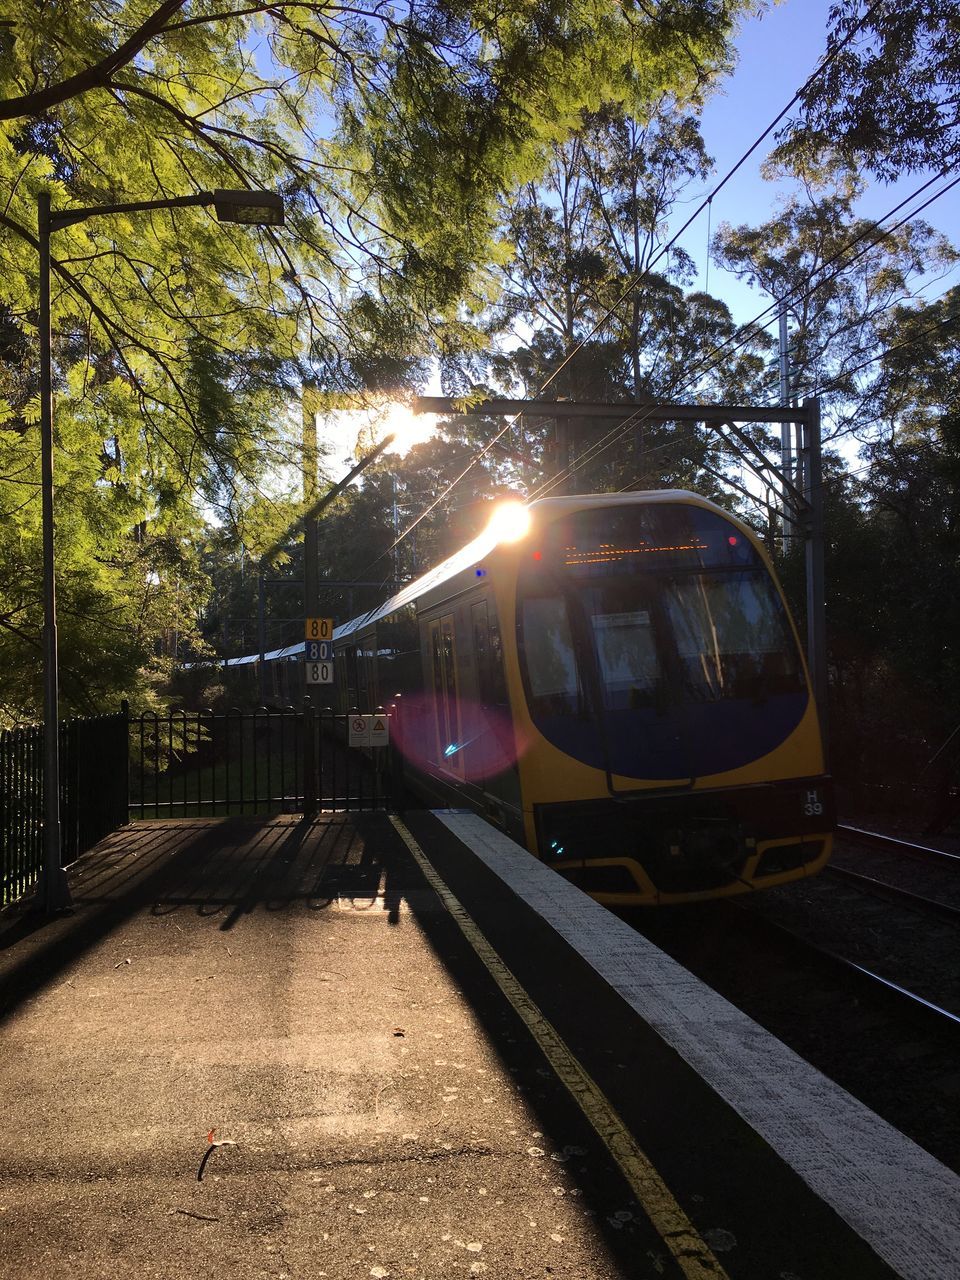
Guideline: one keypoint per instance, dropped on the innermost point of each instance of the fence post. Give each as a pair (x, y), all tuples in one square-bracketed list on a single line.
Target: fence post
[(122, 815), (394, 761), (309, 760)]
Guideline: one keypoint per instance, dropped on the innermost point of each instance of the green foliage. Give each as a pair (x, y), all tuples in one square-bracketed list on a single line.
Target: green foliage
[(178, 341), (893, 578), (888, 99), (840, 278), (608, 314)]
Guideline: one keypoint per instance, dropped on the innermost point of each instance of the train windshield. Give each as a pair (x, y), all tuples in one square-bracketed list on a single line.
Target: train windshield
[(654, 643)]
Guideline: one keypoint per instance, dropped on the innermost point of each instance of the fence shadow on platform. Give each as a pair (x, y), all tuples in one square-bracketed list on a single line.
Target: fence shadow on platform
[(229, 867)]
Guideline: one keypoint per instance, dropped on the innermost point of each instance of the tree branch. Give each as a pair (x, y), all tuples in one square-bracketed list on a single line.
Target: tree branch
[(34, 104)]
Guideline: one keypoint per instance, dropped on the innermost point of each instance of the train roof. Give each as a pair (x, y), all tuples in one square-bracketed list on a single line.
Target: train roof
[(287, 651), (484, 543), (478, 549)]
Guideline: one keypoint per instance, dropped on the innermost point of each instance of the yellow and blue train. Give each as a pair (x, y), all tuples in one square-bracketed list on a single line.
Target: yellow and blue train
[(616, 682)]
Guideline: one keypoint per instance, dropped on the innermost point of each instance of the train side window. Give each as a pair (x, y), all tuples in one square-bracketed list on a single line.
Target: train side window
[(351, 653), (481, 649), (498, 679), (443, 658), (439, 703), (488, 655), (549, 657), (363, 678), (450, 684)]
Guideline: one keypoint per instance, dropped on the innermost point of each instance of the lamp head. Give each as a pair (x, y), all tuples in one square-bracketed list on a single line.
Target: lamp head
[(252, 208)]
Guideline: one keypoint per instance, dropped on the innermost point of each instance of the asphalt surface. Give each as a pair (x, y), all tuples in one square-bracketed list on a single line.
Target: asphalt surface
[(298, 992), (290, 988)]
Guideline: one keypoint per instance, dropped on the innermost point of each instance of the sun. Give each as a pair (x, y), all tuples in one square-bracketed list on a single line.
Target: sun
[(407, 428)]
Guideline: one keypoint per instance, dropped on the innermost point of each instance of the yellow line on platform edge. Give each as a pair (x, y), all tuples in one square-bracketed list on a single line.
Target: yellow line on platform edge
[(691, 1252)]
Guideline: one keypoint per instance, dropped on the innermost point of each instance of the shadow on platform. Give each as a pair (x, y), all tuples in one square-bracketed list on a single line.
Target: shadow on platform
[(225, 867)]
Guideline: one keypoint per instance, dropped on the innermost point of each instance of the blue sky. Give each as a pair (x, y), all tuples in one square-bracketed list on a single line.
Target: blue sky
[(778, 51)]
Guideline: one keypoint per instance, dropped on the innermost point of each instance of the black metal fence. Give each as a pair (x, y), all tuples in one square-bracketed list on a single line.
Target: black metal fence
[(93, 794), (179, 765), (209, 764)]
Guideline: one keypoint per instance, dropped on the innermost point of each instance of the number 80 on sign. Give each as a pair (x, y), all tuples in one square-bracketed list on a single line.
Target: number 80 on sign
[(319, 672)]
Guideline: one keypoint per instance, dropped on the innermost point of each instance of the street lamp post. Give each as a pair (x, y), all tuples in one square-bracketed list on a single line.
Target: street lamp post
[(252, 208)]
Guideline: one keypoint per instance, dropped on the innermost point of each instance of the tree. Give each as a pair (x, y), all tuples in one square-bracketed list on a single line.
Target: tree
[(607, 319), (839, 278), (179, 343), (888, 98), (434, 113), (893, 576)]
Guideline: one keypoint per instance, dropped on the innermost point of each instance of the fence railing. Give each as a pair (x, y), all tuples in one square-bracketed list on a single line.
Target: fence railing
[(93, 794), (210, 764), (179, 765)]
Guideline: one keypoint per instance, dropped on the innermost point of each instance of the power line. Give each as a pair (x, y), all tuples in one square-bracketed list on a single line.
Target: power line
[(795, 296), (826, 60), (909, 342), (707, 202), (617, 433)]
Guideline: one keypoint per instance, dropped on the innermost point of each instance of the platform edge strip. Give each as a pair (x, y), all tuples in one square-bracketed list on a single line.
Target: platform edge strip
[(690, 1251)]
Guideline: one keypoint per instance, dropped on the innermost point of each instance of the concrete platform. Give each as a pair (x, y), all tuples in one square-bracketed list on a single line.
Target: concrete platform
[(301, 990), (288, 986)]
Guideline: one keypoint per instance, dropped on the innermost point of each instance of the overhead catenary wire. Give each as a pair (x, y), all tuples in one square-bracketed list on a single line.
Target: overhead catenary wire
[(899, 346), (825, 61), (641, 414), (798, 295), (621, 428)]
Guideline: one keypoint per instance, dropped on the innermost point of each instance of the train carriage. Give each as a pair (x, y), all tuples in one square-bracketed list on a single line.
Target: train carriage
[(615, 682)]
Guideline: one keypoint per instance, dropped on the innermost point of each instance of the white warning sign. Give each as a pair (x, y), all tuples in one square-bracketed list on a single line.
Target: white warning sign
[(369, 731), (359, 731)]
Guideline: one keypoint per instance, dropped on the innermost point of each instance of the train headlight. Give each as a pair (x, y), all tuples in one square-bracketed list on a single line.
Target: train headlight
[(510, 522)]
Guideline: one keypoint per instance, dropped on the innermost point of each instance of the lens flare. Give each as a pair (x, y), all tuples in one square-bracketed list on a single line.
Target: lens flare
[(483, 743), (510, 522), (407, 428)]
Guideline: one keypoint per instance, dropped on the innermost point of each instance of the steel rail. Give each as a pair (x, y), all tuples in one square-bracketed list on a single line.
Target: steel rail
[(940, 1019), (918, 1002), (892, 845), (881, 889)]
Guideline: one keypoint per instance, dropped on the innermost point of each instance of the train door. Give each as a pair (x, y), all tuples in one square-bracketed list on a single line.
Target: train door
[(362, 676), (495, 748), (445, 694)]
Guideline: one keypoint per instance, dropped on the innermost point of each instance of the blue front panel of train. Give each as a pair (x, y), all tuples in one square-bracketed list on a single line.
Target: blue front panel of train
[(654, 643), (691, 743)]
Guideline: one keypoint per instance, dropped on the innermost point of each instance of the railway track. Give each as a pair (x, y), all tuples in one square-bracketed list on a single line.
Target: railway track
[(775, 950), (891, 844), (820, 978), (893, 893), (865, 983)]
